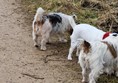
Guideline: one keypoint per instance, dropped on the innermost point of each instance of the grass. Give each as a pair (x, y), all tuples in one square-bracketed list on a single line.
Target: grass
[(95, 12), (84, 15)]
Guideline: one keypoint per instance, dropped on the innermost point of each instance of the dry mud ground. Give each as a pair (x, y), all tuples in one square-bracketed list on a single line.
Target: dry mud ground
[(21, 62)]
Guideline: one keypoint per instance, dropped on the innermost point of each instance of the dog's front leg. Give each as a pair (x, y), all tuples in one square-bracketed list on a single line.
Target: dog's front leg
[(35, 39), (43, 44), (45, 38)]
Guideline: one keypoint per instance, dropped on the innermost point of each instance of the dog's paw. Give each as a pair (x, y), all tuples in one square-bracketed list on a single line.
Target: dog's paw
[(69, 58), (43, 48)]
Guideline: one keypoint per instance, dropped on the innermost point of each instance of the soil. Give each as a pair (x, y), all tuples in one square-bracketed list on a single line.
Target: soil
[(21, 62)]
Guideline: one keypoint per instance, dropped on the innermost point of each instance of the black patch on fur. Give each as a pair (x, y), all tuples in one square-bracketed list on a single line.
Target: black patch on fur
[(54, 19), (115, 34)]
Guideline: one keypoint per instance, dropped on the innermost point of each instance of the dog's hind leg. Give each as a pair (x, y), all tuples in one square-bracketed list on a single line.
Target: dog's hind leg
[(72, 47), (62, 38)]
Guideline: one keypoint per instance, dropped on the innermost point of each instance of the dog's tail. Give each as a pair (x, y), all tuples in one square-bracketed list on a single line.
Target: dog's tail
[(39, 13), (74, 16), (83, 44), (72, 21), (38, 18)]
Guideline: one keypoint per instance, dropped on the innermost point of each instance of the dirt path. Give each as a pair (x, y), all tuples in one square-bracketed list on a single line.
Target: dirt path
[(21, 62)]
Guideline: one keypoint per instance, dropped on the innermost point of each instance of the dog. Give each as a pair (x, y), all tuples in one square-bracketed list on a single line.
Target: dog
[(52, 23), (86, 32), (96, 58)]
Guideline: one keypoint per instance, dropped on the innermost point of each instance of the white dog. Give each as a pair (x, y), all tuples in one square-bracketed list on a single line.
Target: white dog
[(97, 57), (45, 24), (86, 32)]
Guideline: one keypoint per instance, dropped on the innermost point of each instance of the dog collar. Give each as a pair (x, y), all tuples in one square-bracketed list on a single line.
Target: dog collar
[(106, 35)]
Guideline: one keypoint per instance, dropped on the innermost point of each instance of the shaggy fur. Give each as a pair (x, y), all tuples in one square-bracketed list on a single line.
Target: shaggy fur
[(97, 60), (46, 24)]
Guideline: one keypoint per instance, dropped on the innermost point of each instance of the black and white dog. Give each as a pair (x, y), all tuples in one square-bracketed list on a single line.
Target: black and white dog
[(45, 24)]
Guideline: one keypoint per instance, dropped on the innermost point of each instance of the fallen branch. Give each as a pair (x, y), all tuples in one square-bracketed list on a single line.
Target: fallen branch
[(55, 60), (110, 27), (32, 76), (45, 58)]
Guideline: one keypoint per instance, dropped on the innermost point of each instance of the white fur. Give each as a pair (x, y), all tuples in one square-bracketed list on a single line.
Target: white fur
[(97, 61), (86, 32), (47, 29), (114, 41)]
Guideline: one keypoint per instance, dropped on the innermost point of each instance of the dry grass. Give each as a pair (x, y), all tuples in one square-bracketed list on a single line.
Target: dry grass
[(101, 13)]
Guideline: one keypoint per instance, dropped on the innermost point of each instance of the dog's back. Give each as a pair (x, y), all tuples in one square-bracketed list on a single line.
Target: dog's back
[(54, 18)]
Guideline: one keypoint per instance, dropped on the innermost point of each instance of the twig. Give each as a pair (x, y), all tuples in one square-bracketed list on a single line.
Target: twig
[(45, 58), (55, 60), (110, 27), (32, 76)]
